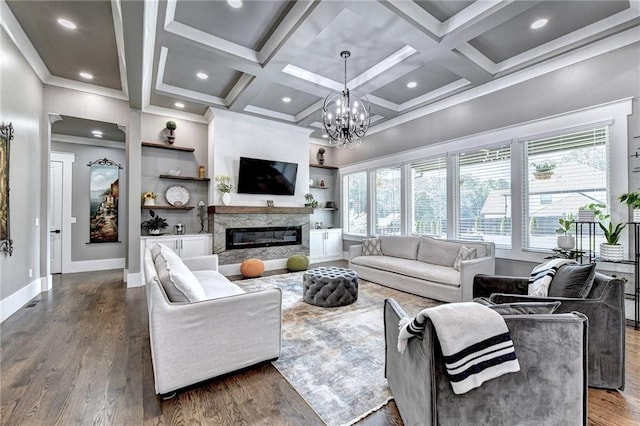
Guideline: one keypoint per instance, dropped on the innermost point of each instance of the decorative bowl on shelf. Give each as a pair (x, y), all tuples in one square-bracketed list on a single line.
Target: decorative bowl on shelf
[(174, 172)]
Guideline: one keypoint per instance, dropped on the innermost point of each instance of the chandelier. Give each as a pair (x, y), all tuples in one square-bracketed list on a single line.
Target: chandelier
[(345, 117)]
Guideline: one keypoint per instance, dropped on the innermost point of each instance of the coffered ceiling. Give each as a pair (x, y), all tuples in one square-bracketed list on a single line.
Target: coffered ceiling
[(265, 51)]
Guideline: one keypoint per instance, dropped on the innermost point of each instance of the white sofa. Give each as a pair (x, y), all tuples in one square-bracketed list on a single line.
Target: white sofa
[(201, 325), (424, 265)]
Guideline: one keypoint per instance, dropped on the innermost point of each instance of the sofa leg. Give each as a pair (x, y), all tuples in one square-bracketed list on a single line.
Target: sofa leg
[(168, 396)]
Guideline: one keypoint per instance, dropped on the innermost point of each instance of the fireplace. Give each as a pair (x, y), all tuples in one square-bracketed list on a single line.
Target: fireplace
[(243, 238)]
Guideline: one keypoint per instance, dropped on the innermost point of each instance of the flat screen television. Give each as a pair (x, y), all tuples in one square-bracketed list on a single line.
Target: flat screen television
[(256, 176)]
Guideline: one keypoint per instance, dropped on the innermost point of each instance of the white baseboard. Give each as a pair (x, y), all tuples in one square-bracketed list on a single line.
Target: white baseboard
[(94, 265), (134, 280), (11, 304), (46, 283), (269, 265)]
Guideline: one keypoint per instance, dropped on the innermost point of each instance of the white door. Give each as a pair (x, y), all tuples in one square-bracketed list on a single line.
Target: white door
[(55, 216)]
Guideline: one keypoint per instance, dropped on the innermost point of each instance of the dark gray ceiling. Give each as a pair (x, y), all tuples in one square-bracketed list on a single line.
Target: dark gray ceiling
[(79, 127), (266, 50)]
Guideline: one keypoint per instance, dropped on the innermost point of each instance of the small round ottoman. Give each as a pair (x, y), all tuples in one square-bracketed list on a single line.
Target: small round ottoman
[(298, 262), (252, 268), (330, 286)]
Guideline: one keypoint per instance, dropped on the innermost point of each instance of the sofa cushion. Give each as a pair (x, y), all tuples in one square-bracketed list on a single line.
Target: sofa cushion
[(155, 250), (178, 281), (438, 252), (397, 246), (216, 285), (465, 253), (434, 273), (572, 281), (371, 247), (520, 308)]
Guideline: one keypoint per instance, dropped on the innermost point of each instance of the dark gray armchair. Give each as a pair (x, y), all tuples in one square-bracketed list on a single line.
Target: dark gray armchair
[(603, 306), (550, 388)]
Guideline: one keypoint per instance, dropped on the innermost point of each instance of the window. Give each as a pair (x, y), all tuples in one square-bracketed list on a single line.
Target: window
[(484, 211), (387, 201), (355, 190), (562, 173), (428, 198)]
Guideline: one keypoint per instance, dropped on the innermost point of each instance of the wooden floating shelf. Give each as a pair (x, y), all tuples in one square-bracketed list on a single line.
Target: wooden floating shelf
[(319, 187), (170, 147), (168, 207), (323, 166), (258, 210), (191, 178)]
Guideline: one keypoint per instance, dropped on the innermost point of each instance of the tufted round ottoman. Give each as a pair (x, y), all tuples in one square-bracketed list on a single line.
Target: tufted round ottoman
[(298, 262), (252, 268), (330, 286)]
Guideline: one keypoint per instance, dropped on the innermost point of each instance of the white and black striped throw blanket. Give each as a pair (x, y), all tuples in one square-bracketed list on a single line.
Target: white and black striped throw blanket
[(541, 276), (475, 342)]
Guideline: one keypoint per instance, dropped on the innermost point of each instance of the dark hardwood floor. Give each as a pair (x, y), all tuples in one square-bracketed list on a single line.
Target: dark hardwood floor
[(80, 355)]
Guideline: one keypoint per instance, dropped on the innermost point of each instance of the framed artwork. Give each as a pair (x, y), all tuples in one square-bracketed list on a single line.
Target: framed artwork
[(6, 135), (103, 198)]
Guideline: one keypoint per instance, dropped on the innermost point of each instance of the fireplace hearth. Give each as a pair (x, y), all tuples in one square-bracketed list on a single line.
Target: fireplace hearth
[(243, 238)]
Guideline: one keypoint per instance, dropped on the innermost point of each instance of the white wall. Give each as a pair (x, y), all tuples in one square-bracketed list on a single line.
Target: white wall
[(21, 105), (236, 136)]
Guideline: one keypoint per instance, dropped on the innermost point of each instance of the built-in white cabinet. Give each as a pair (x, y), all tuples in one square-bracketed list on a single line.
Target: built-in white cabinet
[(191, 245), (325, 244)]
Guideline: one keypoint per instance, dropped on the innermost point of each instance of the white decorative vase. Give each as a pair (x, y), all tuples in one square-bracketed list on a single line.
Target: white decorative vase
[(636, 216), (149, 202), (226, 198), (612, 252), (566, 242)]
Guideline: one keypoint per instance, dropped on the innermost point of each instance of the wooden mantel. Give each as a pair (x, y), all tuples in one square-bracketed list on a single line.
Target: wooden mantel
[(258, 210)]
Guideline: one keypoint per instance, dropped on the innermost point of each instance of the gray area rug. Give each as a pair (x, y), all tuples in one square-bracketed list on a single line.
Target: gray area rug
[(334, 357)]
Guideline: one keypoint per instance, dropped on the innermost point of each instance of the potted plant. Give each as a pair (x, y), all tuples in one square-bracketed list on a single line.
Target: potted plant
[(155, 225), (321, 152), (611, 250), (566, 241), (543, 170), (632, 199), (311, 202), (591, 212), (223, 185), (171, 126), (149, 198)]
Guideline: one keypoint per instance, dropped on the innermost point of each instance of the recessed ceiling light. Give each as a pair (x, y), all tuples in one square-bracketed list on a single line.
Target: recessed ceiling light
[(97, 135), (411, 84), (202, 76), (67, 24), (179, 105), (539, 23), (286, 99), (86, 75), (97, 132), (236, 4)]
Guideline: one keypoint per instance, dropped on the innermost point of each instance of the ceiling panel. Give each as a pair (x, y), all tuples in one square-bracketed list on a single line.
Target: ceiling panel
[(249, 26), (181, 70), (443, 10), (515, 37), (90, 48), (368, 45), (166, 101), (271, 98), (81, 127), (428, 78)]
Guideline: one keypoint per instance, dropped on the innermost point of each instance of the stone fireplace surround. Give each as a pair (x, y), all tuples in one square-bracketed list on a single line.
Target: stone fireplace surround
[(223, 217)]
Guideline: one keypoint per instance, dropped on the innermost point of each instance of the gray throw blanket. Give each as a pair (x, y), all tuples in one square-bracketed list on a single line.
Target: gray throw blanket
[(475, 342)]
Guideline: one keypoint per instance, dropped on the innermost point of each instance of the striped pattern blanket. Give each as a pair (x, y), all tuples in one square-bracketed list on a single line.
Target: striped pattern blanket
[(475, 342), (542, 275)]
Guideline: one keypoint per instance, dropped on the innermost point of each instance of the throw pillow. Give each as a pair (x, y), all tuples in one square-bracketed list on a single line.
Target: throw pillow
[(438, 252), (178, 281), (371, 247), (526, 308), (465, 253), (573, 281)]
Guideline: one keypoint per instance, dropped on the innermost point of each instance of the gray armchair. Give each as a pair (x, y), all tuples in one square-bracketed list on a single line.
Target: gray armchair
[(603, 306), (551, 387)]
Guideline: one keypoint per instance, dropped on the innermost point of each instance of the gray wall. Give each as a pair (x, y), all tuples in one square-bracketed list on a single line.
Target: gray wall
[(21, 104), (85, 154), (606, 78)]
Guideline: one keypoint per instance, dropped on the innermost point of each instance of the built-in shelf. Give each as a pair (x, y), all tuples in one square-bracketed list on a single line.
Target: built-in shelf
[(168, 207), (323, 166), (190, 178), (171, 147), (318, 187), (258, 210), (326, 209)]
